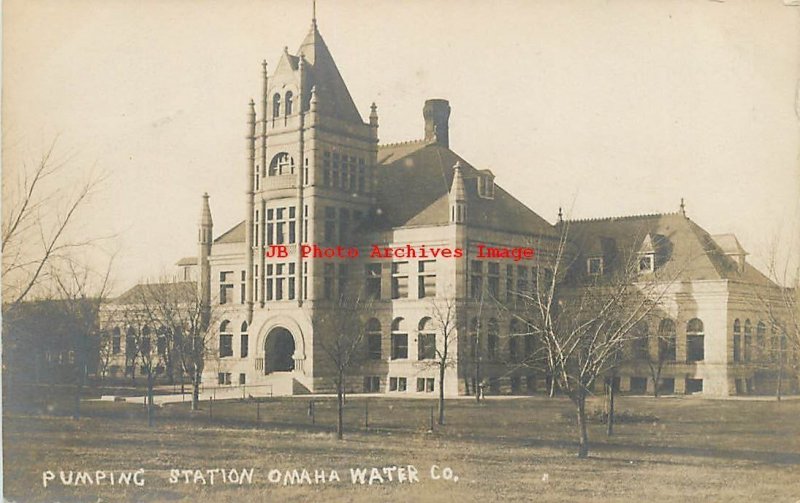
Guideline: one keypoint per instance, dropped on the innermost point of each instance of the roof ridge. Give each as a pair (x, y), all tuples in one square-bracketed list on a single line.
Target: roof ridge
[(399, 143), (622, 217)]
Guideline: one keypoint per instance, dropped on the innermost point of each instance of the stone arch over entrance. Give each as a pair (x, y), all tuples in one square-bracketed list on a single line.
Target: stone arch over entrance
[(279, 351), (274, 348)]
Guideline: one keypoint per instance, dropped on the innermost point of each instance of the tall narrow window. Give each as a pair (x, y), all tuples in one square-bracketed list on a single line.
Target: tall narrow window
[(330, 225), (667, 341), (493, 279), (399, 340), (737, 340), (242, 288), (476, 279), (761, 339), (427, 279), (400, 280), (276, 105), (244, 341), (116, 343), (373, 280), (426, 340), (329, 271), (373, 339), (225, 340), (492, 339), (695, 341), (288, 102), (341, 279), (226, 282)]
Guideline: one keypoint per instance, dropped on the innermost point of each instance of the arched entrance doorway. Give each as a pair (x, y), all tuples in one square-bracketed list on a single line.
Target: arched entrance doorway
[(279, 351)]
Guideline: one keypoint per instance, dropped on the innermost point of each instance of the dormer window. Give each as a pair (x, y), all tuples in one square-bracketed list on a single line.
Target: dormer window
[(594, 266), (647, 263), (486, 184)]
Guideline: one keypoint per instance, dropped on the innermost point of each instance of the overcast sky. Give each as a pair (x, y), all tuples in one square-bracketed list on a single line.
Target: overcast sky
[(605, 107)]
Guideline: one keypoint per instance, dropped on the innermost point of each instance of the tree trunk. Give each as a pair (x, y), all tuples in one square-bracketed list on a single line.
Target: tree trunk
[(76, 414), (340, 406), (478, 387), (583, 442), (195, 390), (779, 390), (150, 397), (552, 391), (441, 392), (610, 415)]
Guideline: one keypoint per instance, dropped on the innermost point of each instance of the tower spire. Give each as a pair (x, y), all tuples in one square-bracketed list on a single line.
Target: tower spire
[(314, 13)]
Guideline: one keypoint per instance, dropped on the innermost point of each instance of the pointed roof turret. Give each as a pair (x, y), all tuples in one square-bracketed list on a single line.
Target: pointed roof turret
[(457, 190), (205, 212)]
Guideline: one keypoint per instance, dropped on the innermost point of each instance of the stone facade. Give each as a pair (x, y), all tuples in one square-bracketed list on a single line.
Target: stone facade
[(316, 174)]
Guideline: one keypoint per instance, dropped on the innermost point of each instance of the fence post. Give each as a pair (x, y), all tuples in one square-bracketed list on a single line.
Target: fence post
[(211, 407), (366, 414), (311, 411), (431, 429), (258, 411)]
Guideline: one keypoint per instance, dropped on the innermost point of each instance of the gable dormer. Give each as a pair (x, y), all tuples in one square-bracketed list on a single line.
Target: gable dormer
[(486, 184), (647, 255)]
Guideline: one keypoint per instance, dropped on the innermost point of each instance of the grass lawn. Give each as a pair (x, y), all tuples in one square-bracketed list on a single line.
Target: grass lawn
[(513, 449)]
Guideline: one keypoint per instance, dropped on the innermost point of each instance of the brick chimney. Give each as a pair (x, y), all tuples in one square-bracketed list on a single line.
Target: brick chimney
[(437, 113)]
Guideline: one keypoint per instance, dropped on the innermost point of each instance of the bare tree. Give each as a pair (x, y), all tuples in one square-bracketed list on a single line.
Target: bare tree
[(780, 301), (40, 204), (81, 292), (585, 327), (445, 334), (341, 334), (175, 314)]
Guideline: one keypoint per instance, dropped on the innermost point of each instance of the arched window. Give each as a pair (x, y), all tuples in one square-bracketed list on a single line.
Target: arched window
[(281, 164), (667, 342), (276, 105), (161, 341), (288, 100), (373, 330), (640, 340), (426, 340), (244, 341), (144, 343), (130, 343), (399, 339), (774, 348), (492, 339), (695, 341), (761, 340), (748, 341), (737, 340), (116, 341), (225, 339)]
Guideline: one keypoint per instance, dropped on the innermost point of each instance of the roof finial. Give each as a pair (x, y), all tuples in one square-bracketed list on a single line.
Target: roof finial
[(560, 215), (314, 13), (683, 208)]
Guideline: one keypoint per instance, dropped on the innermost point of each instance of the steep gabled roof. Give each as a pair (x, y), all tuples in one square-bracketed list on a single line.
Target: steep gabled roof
[(414, 179), (332, 93), (235, 234)]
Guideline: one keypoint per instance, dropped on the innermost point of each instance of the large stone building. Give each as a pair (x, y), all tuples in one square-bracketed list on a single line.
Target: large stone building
[(316, 174)]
